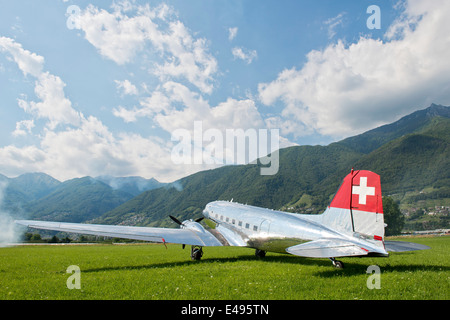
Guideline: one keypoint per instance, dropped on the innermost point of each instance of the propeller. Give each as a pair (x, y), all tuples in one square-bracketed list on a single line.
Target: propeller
[(180, 223), (176, 220)]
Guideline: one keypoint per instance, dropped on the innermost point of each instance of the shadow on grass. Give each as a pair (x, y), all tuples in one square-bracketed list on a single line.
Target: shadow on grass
[(288, 259), (353, 266), (356, 268)]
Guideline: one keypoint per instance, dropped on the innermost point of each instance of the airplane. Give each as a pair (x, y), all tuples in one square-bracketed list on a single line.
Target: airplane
[(351, 226)]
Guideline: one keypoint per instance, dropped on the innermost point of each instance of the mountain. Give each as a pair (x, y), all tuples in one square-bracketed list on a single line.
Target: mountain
[(25, 188), (77, 200), (375, 138), (414, 161), (410, 154), (132, 185), (39, 196)]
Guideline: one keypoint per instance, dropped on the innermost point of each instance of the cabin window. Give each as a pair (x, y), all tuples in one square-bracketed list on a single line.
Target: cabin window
[(227, 219), (255, 228), (233, 221), (221, 218), (247, 226)]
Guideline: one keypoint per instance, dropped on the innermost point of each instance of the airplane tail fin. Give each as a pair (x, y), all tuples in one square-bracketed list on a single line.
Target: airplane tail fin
[(357, 207)]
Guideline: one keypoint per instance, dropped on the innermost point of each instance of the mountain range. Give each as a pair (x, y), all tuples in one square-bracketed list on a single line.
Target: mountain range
[(411, 155), (39, 196)]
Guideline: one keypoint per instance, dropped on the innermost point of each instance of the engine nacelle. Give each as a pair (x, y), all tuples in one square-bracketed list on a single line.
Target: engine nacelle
[(192, 225)]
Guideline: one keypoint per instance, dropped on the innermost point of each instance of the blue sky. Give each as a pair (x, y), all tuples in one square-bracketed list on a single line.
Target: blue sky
[(100, 89)]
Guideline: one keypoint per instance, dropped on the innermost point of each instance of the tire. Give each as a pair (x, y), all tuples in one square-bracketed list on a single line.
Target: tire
[(197, 254), (260, 253)]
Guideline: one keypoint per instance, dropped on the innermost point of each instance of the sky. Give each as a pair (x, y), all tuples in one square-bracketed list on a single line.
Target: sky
[(91, 88)]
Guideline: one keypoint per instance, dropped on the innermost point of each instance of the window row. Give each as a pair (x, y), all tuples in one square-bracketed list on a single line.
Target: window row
[(233, 221)]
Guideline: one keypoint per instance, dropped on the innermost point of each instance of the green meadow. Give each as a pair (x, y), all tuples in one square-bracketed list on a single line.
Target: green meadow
[(154, 272)]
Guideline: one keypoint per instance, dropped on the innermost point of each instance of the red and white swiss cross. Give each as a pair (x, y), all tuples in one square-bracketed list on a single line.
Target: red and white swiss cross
[(360, 190)]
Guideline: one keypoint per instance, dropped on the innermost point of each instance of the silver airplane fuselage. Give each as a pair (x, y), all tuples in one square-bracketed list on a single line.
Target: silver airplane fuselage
[(271, 230)]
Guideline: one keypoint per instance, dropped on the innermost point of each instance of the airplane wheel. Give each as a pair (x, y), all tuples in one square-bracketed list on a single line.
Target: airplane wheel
[(260, 253), (338, 264), (197, 254)]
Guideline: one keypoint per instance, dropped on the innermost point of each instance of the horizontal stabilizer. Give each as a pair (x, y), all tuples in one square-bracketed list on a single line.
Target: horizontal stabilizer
[(402, 246), (327, 248)]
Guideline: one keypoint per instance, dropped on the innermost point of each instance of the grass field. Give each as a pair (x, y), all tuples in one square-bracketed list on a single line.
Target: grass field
[(149, 271)]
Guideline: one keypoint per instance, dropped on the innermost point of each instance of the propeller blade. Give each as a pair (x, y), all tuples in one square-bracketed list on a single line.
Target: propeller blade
[(176, 220), (199, 219)]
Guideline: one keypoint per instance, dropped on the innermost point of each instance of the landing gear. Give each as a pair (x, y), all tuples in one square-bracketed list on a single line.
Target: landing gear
[(260, 253), (337, 264), (196, 253)]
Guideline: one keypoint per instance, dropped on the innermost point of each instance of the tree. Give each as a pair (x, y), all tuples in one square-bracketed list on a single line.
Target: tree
[(54, 239), (28, 236), (417, 214), (66, 240), (392, 217), (36, 237)]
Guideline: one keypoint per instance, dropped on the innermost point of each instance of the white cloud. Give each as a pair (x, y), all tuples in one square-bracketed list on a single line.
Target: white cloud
[(244, 54), (72, 145), (232, 33), (92, 149), (333, 23), (127, 115), (120, 36), (54, 105), (154, 104), (174, 106), (188, 58), (347, 89), (115, 35), (28, 63), (23, 128), (126, 87)]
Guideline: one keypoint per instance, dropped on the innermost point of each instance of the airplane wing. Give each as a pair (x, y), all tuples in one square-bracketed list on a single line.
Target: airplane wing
[(325, 248), (196, 237), (402, 246)]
